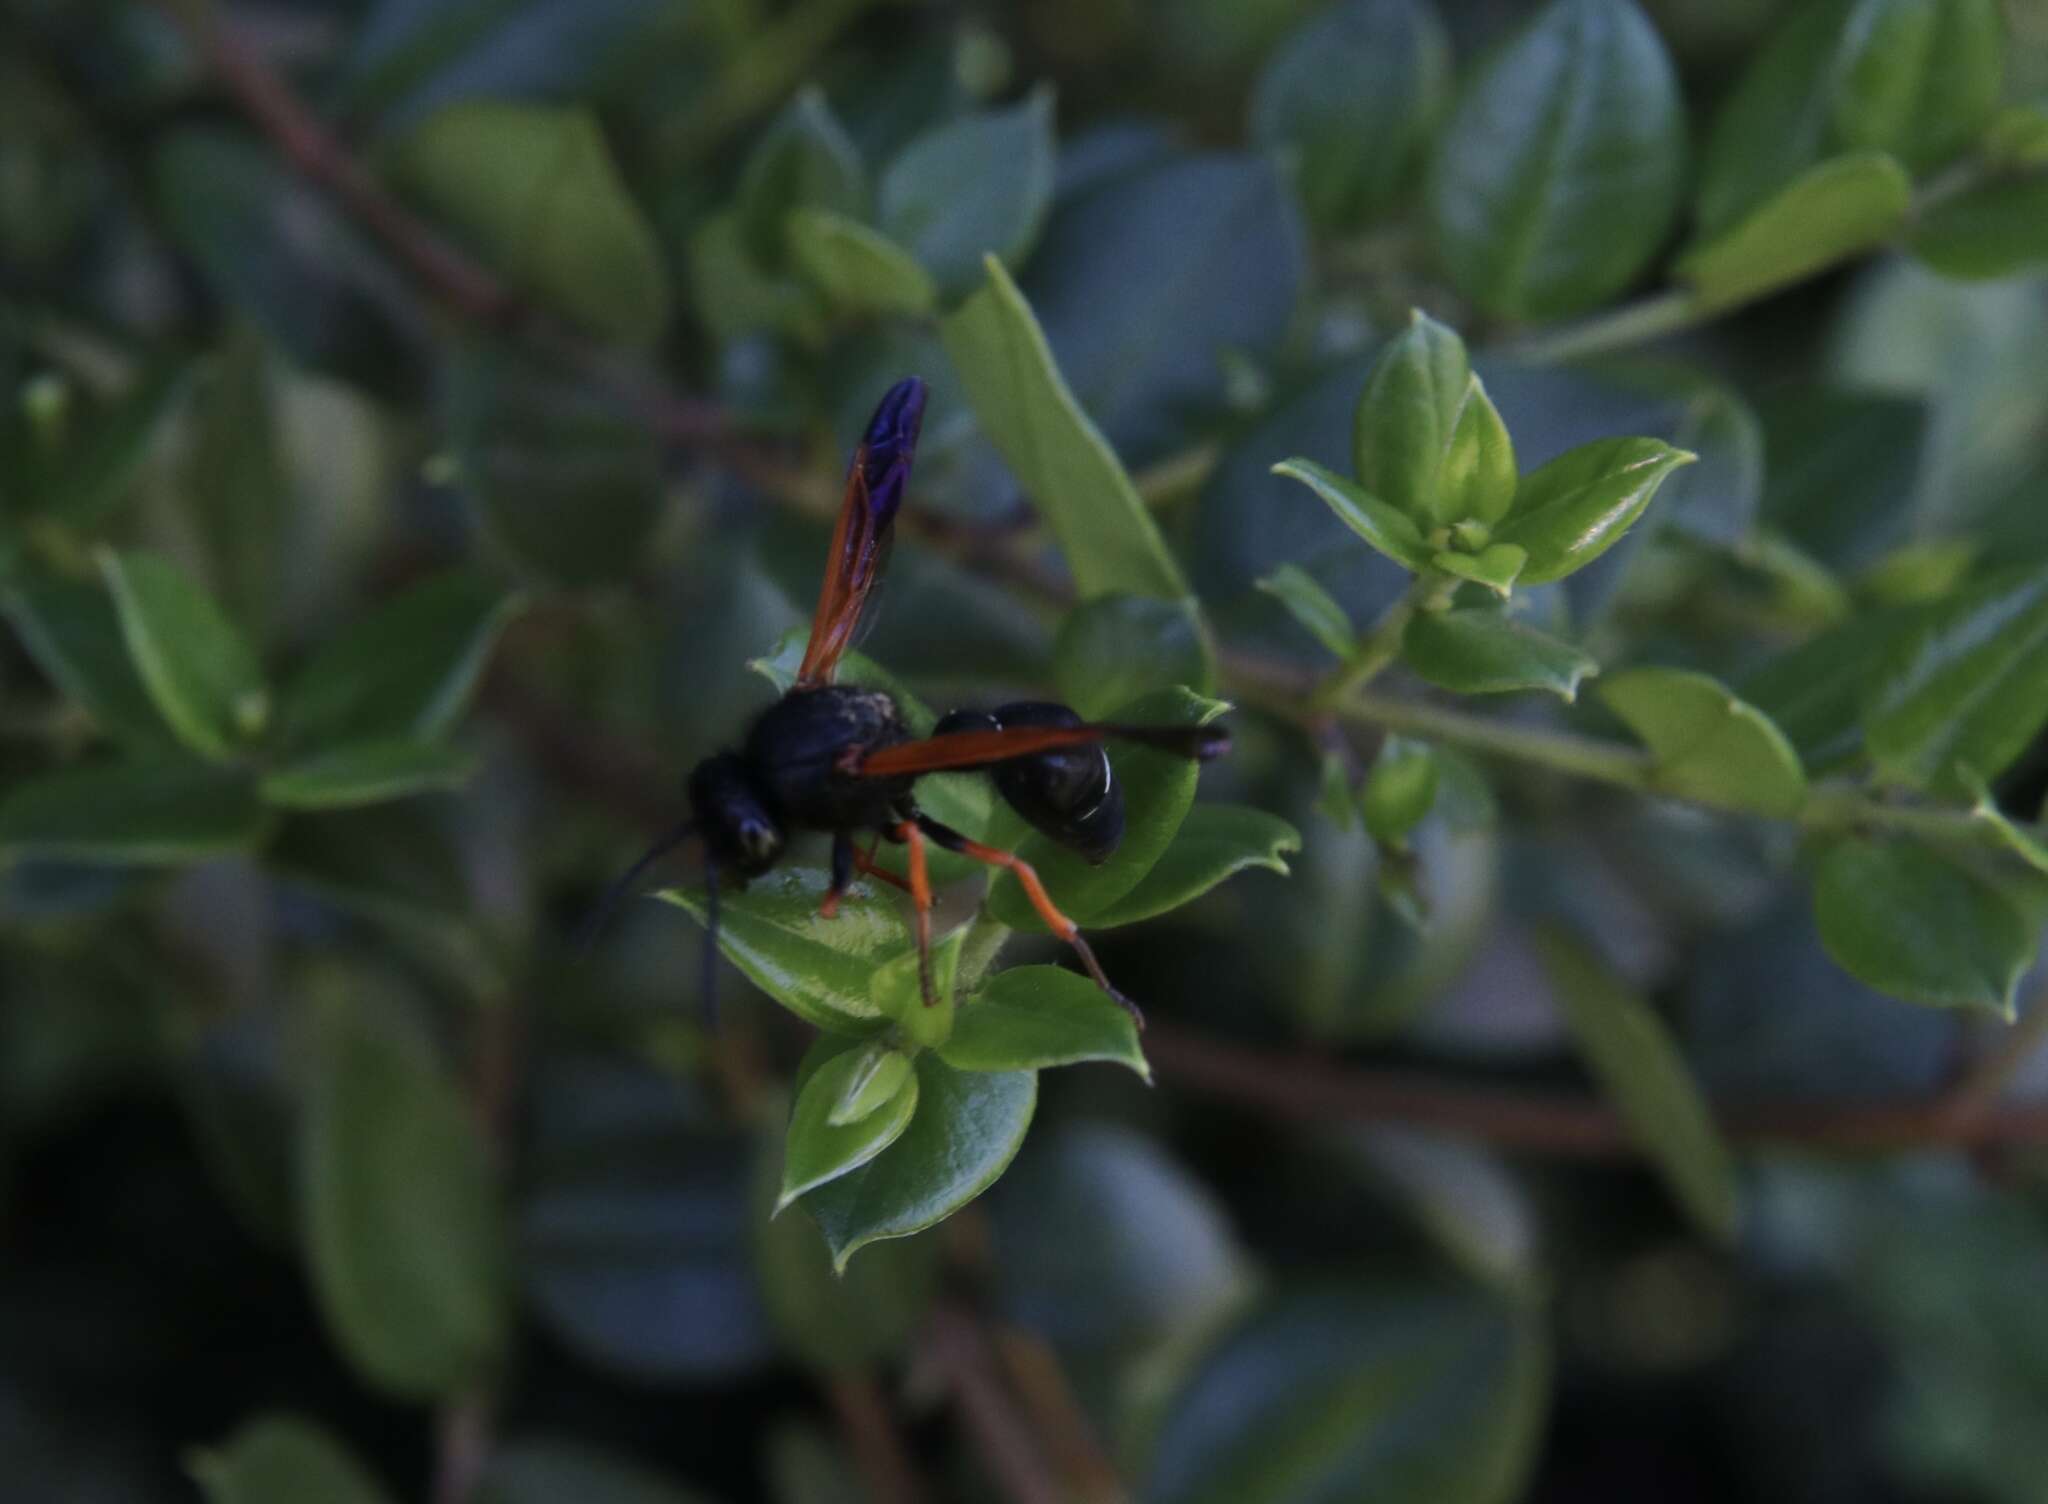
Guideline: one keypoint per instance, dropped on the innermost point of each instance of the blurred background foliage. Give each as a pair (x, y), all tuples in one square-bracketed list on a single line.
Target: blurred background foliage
[(416, 414)]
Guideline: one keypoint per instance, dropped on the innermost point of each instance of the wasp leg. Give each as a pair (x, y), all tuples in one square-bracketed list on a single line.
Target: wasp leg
[(1034, 890), (708, 981), (921, 902), (864, 863), (843, 859)]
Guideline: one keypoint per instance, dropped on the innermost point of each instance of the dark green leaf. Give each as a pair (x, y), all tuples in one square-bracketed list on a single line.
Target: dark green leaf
[(1426, 438), (408, 669), (556, 1472), (1575, 508), (1114, 648), (1214, 842), (1158, 787), (73, 633), (1830, 211), (1400, 1395), (805, 160), (401, 1222), (234, 479), (197, 667), (1630, 1052), (1060, 458), (2028, 843), (276, 1458), (1558, 175), (1913, 78), (1815, 694), (359, 773), (535, 189), (969, 1125), (1400, 791), (142, 814), (1844, 476), (1706, 744), (99, 465), (1480, 651), (735, 296), (1996, 230), (1353, 93), (1367, 515), (859, 270), (1911, 923), (1966, 686), (1030, 1018), (979, 185), (1310, 604), (818, 1148)]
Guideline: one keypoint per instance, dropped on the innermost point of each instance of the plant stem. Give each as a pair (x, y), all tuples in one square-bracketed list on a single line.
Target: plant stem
[(1378, 648)]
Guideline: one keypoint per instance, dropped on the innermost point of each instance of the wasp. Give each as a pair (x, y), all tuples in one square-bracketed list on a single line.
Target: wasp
[(841, 760)]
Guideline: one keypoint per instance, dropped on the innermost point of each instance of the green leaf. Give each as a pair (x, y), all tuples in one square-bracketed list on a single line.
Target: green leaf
[(805, 160), (1057, 454), (2024, 842), (1030, 1018), (98, 467), (143, 814), (1995, 230), (1214, 842), (535, 189), (554, 1472), (401, 1220), (360, 773), (1114, 648), (1903, 918), (1575, 508), (1397, 1394), (1497, 566), (818, 1147), (197, 667), (275, 1458), (1481, 651), (234, 479), (73, 633), (2017, 136), (1312, 606), (1831, 211), (1705, 743), (851, 974), (1426, 438), (858, 269), (1913, 78), (1816, 692), (977, 185), (1353, 94), (969, 1125), (1966, 685), (1633, 1056), (735, 297), (1372, 519), (1558, 175), (877, 1078), (407, 669), (1400, 791), (1159, 789)]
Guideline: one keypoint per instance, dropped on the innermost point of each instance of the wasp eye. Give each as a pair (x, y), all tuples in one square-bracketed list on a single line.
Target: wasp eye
[(760, 841)]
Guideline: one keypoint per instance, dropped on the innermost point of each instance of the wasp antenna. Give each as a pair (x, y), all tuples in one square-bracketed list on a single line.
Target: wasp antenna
[(708, 982), (593, 923), (1201, 743)]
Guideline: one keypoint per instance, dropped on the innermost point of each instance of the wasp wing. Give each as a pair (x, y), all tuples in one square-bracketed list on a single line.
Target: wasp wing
[(967, 751)]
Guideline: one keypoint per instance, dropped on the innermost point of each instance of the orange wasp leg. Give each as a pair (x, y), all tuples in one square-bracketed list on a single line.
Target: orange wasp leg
[(921, 902)]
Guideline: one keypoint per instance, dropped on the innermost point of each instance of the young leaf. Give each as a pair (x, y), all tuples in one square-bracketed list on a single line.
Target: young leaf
[(360, 773), (197, 667), (978, 185), (1631, 1053), (1158, 787), (1558, 175), (1400, 790), (805, 160), (858, 269), (1353, 93), (1059, 457), (1379, 524), (277, 1457), (1832, 210), (1966, 686), (73, 633), (1996, 230), (1426, 438), (535, 188), (1906, 920), (1481, 651), (1707, 744), (141, 814), (1497, 566), (876, 1079), (408, 669), (1114, 648), (1033, 1017), (1575, 508), (1214, 842), (817, 1148), (968, 1127), (401, 1222), (1311, 605)]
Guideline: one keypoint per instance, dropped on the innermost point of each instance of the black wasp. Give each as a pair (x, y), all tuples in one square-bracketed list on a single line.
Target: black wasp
[(833, 758)]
